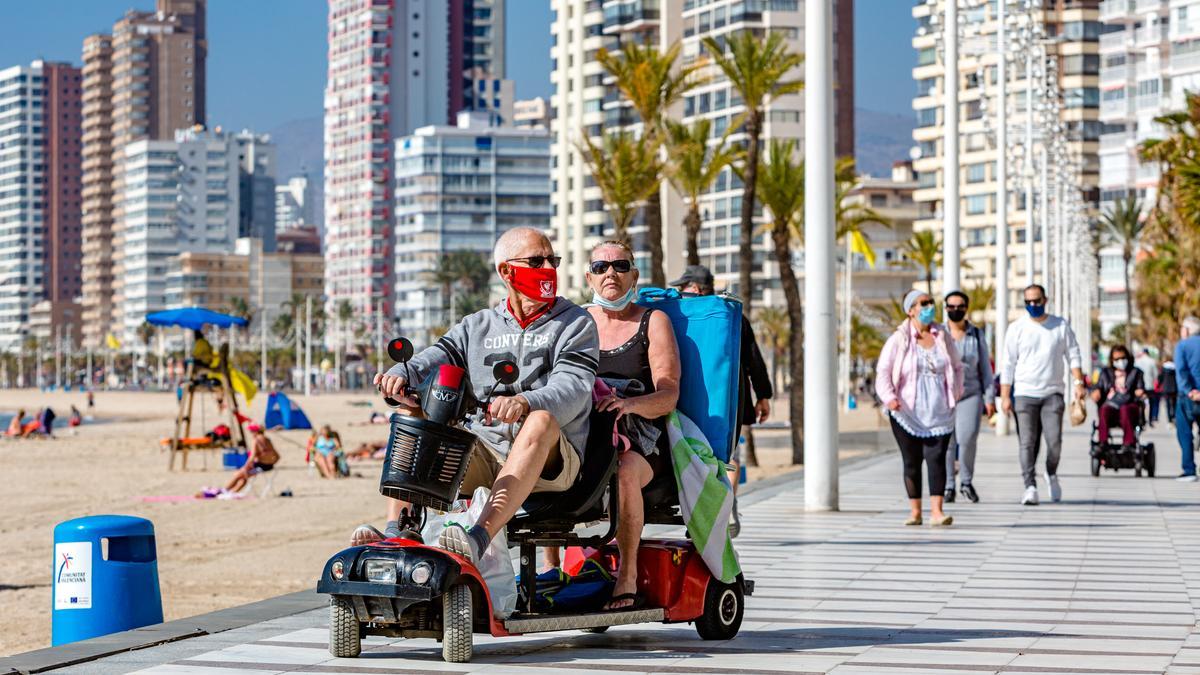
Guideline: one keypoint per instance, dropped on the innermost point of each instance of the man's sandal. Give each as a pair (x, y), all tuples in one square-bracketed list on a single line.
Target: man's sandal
[(639, 601)]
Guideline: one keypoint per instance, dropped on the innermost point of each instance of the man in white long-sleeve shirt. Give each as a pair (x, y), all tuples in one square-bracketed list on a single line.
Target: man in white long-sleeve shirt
[(1037, 349)]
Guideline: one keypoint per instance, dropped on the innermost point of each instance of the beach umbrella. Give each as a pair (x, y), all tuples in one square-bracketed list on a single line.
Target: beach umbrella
[(195, 318)]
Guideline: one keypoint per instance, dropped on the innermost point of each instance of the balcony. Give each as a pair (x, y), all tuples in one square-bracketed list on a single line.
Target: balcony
[(1115, 42), (1150, 35), (1114, 76), (1115, 110), (1116, 142), (1149, 6), (1112, 11), (1181, 64)]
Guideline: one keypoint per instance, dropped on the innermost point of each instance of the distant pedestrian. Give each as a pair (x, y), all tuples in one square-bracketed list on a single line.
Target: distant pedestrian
[(1149, 367), (919, 378), (1187, 379), (1167, 389), (1036, 348), (977, 395), (91, 400), (754, 376)]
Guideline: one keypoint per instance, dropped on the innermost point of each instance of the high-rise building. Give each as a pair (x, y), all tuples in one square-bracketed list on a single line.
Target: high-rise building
[(1149, 62), (182, 195), (458, 189), (586, 102), (256, 186), (394, 66), (39, 194), (295, 203), (1076, 49), (143, 81)]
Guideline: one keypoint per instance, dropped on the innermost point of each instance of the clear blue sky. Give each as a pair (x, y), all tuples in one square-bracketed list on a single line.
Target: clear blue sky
[(266, 63)]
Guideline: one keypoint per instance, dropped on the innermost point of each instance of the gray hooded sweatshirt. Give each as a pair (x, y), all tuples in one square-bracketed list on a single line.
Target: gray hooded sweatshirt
[(557, 356)]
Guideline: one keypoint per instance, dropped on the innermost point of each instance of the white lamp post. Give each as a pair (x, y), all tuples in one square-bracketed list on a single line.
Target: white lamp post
[(820, 334), (1001, 283), (950, 202)]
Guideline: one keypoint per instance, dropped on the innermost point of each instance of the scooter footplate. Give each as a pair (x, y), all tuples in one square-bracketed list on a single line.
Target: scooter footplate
[(579, 621)]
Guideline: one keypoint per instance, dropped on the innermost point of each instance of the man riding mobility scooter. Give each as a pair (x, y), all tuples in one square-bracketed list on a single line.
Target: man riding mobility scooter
[(399, 587)]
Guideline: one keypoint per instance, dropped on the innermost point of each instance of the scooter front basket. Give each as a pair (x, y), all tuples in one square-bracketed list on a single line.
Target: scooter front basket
[(425, 462)]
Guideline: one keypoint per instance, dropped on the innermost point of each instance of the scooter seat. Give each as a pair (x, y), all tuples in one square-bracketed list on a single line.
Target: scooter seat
[(583, 500)]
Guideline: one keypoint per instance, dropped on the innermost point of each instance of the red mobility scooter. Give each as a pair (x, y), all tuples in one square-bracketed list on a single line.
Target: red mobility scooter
[(403, 588)]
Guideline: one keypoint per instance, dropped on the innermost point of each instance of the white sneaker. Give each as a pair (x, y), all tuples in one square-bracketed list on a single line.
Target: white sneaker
[(1186, 478), (1030, 498), (1055, 488)]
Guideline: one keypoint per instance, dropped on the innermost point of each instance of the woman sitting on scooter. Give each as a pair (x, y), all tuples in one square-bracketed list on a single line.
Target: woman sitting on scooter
[(1118, 393), (638, 353)]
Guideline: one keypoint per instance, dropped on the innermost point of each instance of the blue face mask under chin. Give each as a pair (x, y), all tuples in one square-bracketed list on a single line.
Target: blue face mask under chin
[(614, 305), (926, 315), (1035, 311)]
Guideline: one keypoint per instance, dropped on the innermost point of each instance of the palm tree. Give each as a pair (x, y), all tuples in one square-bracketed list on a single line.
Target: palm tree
[(850, 214), (240, 308), (692, 167), (772, 329), (756, 68), (981, 296), (924, 251), (650, 81), (463, 276), (781, 188), (1122, 226), (627, 171)]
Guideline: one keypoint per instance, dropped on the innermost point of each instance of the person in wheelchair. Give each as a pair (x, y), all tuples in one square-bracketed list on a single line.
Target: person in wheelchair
[(1118, 394), (532, 436), (638, 385)]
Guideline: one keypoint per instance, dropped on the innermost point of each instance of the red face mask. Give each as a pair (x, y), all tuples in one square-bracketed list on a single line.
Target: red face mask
[(539, 284)]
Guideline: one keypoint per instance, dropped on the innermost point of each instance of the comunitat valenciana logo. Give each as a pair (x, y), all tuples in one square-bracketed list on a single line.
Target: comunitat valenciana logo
[(64, 570)]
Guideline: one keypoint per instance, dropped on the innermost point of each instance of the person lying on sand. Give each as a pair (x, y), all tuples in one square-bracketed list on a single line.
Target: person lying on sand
[(14, 427), (262, 457), (371, 450)]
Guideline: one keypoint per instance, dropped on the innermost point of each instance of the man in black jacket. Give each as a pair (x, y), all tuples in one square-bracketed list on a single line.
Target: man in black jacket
[(698, 280)]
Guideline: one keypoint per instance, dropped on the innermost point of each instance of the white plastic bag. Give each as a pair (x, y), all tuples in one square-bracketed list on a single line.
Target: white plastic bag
[(495, 565)]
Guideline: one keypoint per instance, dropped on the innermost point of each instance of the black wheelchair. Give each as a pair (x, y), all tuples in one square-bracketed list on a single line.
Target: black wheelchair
[(1127, 454)]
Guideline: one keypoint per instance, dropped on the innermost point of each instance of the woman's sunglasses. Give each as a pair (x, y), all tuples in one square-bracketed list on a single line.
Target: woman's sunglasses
[(539, 260), (926, 303), (601, 266)]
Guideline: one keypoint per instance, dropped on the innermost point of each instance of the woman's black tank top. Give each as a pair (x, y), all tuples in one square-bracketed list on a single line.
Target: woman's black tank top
[(630, 361)]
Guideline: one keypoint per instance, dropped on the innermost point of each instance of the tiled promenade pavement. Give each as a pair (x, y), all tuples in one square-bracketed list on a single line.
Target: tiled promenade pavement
[(1108, 581)]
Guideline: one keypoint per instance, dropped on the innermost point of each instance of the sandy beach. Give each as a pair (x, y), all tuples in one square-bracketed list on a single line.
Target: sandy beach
[(212, 554)]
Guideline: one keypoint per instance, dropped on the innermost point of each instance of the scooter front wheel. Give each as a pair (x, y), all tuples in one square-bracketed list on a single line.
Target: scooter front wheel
[(724, 606), (345, 633), (457, 624)]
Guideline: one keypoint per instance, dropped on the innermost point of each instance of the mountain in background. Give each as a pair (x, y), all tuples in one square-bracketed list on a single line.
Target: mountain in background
[(880, 140), (300, 148)]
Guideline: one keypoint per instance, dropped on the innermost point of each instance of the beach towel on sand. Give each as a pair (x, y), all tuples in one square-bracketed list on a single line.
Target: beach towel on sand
[(705, 496)]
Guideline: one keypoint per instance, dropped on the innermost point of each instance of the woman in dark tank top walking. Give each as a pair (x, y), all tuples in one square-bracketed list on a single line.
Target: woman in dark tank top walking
[(636, 344)]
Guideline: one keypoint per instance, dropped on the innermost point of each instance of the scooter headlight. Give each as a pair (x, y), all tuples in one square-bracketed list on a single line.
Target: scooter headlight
[(337, 570), (381, 571), (421, 573)]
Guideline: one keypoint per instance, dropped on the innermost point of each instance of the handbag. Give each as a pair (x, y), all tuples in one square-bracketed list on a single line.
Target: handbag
[(1078, 412)]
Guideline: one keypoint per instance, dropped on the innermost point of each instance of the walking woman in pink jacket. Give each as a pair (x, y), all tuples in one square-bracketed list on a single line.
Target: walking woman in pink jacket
[(919, 378)]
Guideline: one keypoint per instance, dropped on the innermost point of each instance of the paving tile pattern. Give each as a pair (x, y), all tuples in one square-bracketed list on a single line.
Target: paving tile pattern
[(1105, 582)]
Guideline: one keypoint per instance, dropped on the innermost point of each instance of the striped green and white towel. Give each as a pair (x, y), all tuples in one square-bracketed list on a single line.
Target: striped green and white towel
[(705, 496)]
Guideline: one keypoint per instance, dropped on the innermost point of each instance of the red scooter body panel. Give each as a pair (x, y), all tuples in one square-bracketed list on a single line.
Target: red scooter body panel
[(672, 575)]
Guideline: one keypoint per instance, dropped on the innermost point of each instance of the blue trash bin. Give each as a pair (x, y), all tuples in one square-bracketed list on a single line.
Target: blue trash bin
[(105, 577)]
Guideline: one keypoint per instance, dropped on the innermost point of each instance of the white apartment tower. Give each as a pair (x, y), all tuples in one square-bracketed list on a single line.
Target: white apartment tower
[(1075, 42), (458, 189), (179, 196), (585, 101)]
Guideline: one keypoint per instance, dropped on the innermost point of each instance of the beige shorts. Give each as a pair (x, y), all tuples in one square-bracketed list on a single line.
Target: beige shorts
[(485, 466)]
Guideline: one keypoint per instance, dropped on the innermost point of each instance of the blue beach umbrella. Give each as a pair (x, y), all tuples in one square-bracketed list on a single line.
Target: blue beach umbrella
[(195, 318)]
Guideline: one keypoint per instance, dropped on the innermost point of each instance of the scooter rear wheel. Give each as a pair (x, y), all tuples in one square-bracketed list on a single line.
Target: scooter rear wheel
[(457, 624), (345, 634), (724, 606)]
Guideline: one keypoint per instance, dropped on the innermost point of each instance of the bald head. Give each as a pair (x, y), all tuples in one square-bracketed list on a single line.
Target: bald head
[(520, 242)]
